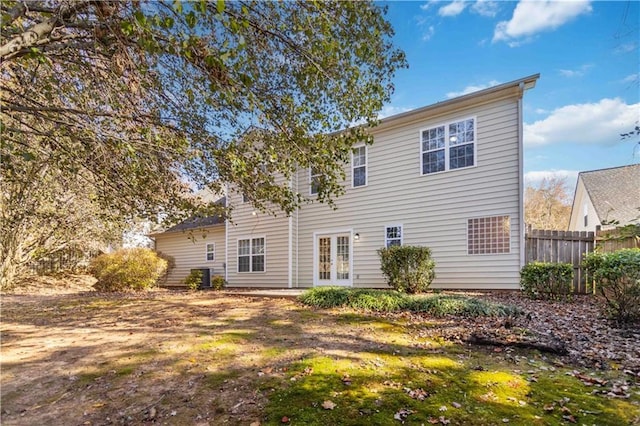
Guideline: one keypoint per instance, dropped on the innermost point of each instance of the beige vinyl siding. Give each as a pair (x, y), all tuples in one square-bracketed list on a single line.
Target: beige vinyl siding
[(434, 208), (275, 230), (189, 251), (576, 222)]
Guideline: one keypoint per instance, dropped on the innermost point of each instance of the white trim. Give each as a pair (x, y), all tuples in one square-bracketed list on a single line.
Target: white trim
[(290, 247), (333, 233), (521, 224), (251, 238), (206, 252), (447, 147), (226, 239), (366, 166), (396, 225)]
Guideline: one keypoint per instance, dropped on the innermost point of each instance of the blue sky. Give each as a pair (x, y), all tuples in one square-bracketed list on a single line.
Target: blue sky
[(587, 54)]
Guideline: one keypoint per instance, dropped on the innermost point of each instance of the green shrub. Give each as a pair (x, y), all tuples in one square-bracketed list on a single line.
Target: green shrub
[(218, 282), (394, 301), (408, 269), (617, 278), (543, 280), (193, 281), (128, 269)]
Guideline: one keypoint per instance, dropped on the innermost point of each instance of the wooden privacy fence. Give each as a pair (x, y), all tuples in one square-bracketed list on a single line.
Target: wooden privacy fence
[(571, 246), (63, 260), (561, 246)]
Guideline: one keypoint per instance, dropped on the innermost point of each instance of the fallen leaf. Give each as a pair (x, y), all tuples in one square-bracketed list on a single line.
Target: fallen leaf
[(443, 420), (570, 419), (402, 414), (255, 424), (285, 419), (456, 405), (442, 408), (328, 405)]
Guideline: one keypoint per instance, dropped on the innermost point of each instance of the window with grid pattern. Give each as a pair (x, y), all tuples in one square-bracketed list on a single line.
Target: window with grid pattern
[(448, 147), (489, 235)]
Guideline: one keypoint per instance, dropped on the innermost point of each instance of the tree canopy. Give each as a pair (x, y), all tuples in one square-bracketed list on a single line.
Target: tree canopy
[(548, 205), (141, 102)]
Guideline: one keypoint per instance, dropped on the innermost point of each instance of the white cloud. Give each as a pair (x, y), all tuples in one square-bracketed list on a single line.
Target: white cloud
[(534, 178), (452, 9), (581, 71), (626, 48), (631, 78), (472, 88), (428, 33), (389, 110), (486, 8), (532, 17), (595, 123), (428, 4)]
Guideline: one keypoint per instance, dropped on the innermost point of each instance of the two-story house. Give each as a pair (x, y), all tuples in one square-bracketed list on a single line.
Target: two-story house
[(448, 176)]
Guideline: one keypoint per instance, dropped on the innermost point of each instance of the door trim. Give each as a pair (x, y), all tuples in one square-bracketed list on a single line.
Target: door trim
[(332, 232)]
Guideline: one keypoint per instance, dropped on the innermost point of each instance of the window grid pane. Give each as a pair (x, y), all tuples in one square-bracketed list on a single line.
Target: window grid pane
[(489, 235), (211, 251), (448, 147), (393, 236)]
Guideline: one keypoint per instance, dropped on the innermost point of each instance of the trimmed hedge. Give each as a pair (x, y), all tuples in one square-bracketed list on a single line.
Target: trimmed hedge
[(409, 269), (394, 301), (617, 278), (543, 280), (128, 269)]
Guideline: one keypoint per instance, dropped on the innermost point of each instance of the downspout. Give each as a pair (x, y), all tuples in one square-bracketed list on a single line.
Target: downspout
[(521, 223), (290, 246), (226, 238)]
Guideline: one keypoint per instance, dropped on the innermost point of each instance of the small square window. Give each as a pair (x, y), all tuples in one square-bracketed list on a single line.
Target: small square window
[(393, 236)]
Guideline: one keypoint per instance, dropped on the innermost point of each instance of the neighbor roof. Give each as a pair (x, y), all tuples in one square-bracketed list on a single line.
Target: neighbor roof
[(615, 193)]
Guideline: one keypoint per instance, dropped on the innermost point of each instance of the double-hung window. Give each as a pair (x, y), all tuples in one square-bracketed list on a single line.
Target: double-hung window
[(359, 166), (251, 252), (393, 235), (314, 181), (211, 251), (449, 146)]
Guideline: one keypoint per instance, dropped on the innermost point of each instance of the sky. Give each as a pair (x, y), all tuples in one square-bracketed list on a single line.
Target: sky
[(587, 54)]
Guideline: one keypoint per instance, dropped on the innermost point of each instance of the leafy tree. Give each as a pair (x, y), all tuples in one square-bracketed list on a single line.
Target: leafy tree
[(548, 206), (141, 103)]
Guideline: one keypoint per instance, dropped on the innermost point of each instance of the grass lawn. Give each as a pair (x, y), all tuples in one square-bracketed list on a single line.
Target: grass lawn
[(208, 358)]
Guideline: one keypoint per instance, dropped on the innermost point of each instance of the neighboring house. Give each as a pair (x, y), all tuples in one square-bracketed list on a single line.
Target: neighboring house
[(448, 176), (606, 198)]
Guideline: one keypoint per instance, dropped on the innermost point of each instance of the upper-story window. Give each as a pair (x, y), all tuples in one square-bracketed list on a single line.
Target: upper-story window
[(314, 181), (449, 146), (393, 235), (211, 251), (359, 166)]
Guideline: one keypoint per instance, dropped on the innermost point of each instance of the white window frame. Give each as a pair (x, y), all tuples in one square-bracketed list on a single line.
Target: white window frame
[(386, 239), (490, 253), (365, 165), (311, 176), (447, 146), (251, 254), (212, 251)]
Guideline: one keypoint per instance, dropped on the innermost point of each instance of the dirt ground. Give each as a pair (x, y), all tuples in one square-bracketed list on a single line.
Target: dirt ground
[(71, 356)]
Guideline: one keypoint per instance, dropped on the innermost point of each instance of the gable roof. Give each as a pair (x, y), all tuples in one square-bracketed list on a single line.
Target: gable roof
[(196, 222), (614, 193)]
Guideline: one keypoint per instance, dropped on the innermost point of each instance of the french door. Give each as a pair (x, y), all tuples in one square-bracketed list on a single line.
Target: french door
[(332, 265)]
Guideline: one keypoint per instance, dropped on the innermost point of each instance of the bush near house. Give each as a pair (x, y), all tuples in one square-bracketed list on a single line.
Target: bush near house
[(128, 269), (394, 301), (193, 280), (616, 276), (409, 269), (546, 280)]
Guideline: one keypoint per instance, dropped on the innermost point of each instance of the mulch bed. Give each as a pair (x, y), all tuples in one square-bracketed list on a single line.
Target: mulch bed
[(575, 329)]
